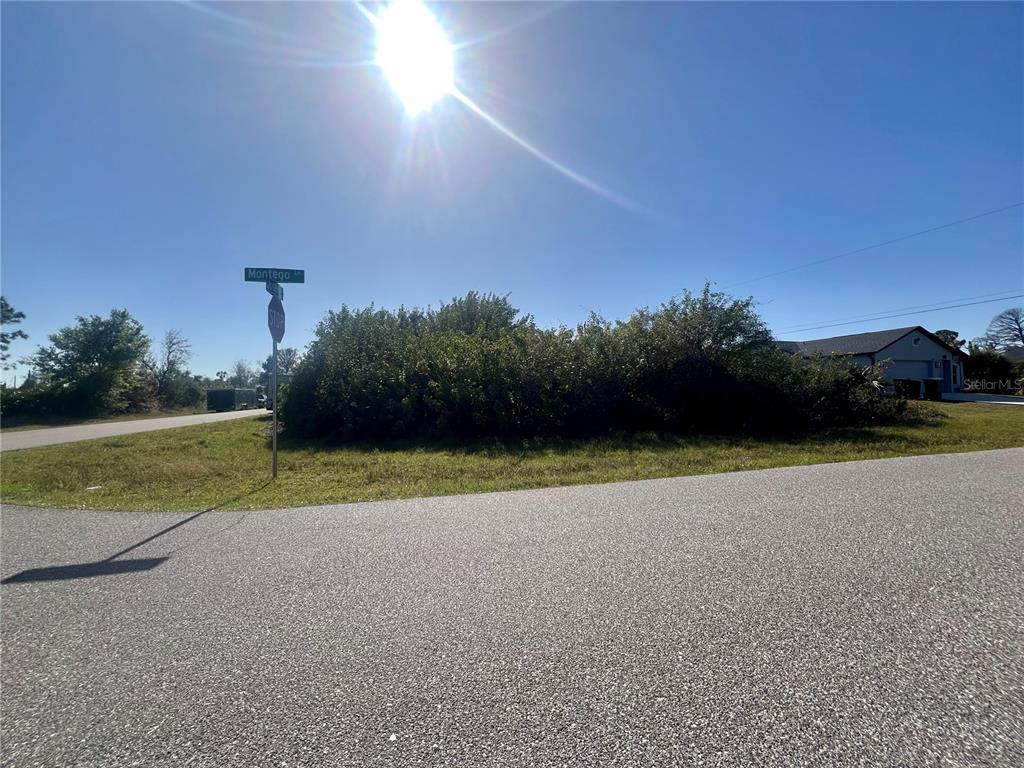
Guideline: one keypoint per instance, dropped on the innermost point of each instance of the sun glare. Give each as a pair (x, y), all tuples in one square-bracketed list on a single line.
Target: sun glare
[(414, 54)]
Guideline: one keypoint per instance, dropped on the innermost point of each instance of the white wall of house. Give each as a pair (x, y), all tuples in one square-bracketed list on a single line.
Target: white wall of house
[(916, 356)]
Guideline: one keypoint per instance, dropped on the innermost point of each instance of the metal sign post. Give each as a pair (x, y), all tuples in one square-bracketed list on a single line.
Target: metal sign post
[(275, 321), (273, 388), (272, 277)]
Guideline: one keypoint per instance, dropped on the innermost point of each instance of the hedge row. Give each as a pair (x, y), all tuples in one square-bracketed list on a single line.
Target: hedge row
[(477, 367)]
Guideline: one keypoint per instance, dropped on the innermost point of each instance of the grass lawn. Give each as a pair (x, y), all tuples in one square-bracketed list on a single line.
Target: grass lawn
[(227, 465), (12, 425)]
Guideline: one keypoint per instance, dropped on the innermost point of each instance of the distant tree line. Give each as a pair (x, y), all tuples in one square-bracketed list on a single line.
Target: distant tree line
[(1005, 331), (995, 361), (108, 365), (477, 367)]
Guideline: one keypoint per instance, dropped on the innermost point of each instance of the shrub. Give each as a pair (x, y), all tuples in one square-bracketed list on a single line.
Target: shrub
[(94, 395), (989, 371), (36, 401), (477, 367), (837, 392)]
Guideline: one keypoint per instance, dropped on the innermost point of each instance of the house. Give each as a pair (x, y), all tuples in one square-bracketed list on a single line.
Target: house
[(913, 353)]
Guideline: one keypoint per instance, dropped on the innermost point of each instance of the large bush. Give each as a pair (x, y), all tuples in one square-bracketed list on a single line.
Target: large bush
[(89, 397), (989, 371), (477, 367)]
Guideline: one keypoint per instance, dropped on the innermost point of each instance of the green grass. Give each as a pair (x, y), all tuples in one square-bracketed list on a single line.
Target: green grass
[(21, 425), (227, 465)]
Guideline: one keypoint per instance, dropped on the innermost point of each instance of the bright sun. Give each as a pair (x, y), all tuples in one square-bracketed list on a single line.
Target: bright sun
[(414, 54)]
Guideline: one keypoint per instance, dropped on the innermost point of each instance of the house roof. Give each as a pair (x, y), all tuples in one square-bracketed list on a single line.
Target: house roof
[(858, 343), (1015, 354)]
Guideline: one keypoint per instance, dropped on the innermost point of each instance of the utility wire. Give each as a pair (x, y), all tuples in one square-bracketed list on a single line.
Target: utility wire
[(903, 314), (999, 295), (854, 252)]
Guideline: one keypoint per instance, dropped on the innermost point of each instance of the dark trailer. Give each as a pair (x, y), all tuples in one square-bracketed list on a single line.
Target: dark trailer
[(230, 399)]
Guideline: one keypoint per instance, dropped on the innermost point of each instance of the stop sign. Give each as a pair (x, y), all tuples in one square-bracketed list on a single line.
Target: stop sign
[(275, 318)]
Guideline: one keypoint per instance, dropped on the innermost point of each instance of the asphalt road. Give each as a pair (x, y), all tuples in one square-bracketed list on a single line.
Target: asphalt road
[(868, 613), (35, 438)]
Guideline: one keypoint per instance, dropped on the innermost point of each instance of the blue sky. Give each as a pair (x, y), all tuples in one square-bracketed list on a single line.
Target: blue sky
[(152, 150)]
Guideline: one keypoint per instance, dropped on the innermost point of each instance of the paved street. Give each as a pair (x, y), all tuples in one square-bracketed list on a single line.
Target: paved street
[(34, 438), (867, 613)]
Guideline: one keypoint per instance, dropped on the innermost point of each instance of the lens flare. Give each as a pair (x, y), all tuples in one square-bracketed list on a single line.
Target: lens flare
[(414, 54)]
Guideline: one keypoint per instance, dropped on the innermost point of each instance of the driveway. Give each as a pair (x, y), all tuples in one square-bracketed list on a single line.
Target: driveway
[(867, 613), (979, 397), (35, 438)]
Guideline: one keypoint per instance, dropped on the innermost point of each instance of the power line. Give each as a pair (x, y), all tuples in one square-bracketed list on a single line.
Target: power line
[(873, 315), (854, 252), (904, 314)]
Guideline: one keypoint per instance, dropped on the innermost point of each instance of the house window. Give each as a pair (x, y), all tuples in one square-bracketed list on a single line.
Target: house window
[(917, 341)]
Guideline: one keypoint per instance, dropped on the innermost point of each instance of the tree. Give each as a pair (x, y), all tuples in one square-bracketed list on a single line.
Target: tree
[(287, 359), (222, 376), (169, 370), (99, 361), (31, 381), (9, 316), (93, 344), (1006, 329), (242, 374), (987, 369), (952, 338)]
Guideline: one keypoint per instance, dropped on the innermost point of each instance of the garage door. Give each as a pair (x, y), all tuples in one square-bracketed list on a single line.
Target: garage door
[(910, 369)]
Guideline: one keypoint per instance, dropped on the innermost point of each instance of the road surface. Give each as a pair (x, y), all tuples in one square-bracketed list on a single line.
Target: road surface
[(34, 438), (868, 613)]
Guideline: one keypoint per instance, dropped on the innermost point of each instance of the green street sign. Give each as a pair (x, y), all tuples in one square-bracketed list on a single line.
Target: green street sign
[(274, 275), (275, 289)]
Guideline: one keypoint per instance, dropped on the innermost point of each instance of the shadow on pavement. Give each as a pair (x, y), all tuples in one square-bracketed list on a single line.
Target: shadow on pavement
[(112, 566), (85, 570)]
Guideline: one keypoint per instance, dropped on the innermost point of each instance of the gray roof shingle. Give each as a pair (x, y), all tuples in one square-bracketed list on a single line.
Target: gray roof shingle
[(854, 344)]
